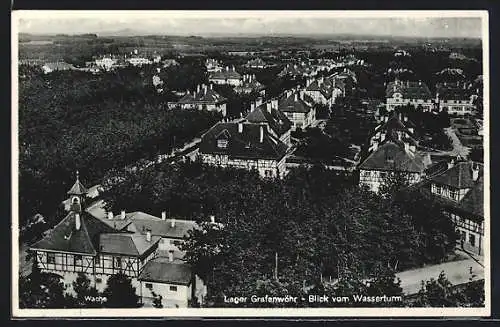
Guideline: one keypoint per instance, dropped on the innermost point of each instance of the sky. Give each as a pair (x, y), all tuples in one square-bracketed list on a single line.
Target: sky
[(425, 24)]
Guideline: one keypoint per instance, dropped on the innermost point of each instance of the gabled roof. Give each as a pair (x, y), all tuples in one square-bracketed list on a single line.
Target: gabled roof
[(65, 238), (205, 95), (394, 124), (256, 62), (161, 227), (160, 270), (453, 92), (409, 90), (277, 121), (225, 74), (289, 104), (459, 176), (245, 145), (127, 244), (77, 188), (391, 156)]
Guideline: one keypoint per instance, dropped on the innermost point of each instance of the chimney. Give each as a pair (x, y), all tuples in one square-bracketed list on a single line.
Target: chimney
[(413, 148), (405, 118), (163, 215), (211, 86), (261, 133), (410, 129), (407, 147), (212, 219), (171, 256), (78, 222), (451, 164), (269, 106), (382, 137), (475, 172), (240, 127), (258, 102), (148, 235), (274, 103), (110, 215), (198, 88), (375, 146), (419, 83), (122, 216), (172, 222), (252, 106), (227, 68), (296, 97)]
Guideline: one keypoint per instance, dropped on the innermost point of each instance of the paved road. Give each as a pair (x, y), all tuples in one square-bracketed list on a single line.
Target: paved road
[(457, 273), (458, 148)]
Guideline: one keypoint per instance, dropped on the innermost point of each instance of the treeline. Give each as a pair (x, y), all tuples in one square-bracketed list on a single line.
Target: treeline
[(74, 120), (316, 222)]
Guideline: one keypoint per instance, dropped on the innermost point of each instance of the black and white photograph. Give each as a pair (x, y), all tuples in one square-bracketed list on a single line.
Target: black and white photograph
[(250, 163)]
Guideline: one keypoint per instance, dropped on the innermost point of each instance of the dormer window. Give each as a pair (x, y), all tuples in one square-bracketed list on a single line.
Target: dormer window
[(222, 143)]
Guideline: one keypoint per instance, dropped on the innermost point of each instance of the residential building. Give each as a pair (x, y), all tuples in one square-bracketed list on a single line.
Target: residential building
[(300, 113), (213, 65), (401, 93), (104, 246), (459, 188), (50, 67), (169, 62), (204, 98), (106, 62), (246, 146), (138, 61), (256, 63), (388, 156), (323, 90), (455, 98), (276, 121), (228, 76), (250, 84)]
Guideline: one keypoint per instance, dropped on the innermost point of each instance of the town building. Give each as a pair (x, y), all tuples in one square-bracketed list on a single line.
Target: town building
[(392, 150), (323, 90), (138, 61), (256, 63), (244, 145), (250, 84), (203, 98), (276, 121), (83, 243), (106, 62), (402, 93), (300, 113), (227, 76), (459, 188), (455, 98), (213, 65), (169, 63), (50, 67)]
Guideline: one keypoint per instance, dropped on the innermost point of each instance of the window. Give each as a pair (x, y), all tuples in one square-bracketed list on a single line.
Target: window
[(97, 260), (438, 189), (472, 239), (222, 144), (173, 288), (149, 285), (98, 280), (117, 262), (78, 260), (51, 258), (454, 194), (268, 173)]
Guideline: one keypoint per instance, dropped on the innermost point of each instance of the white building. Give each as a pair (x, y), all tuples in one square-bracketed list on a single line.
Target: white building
[(138, 61), (246, 146), (227, 76), (401, 93), (203, 98), (456, 99), (300, 113), (106, 63)]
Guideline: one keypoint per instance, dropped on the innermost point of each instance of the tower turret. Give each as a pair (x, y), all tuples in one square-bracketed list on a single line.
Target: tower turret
[(77, 193)]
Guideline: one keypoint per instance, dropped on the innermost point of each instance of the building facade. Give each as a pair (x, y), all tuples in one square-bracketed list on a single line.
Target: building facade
[(402, 93), (203, 98)]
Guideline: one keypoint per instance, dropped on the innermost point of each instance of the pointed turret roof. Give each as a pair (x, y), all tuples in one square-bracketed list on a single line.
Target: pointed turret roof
[(77, 188)]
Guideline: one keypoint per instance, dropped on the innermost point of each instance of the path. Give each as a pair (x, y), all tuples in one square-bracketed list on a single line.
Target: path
[(458, 148), (457, 273)]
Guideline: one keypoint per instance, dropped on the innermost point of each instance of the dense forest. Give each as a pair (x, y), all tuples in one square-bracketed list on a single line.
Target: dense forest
[(72, 121), (318, 223)]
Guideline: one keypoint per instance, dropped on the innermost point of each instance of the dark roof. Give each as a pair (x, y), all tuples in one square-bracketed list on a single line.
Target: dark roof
[(65, 238), (289, 104), (459, 176), (394, 124), (127, 244), (452, 92), (77, 188), (473, 201), (161, 227), (205, 95), (277, 121), (409, 90), (244, 145), (225, 74), (391, 156), (160, 270), (256, 62)]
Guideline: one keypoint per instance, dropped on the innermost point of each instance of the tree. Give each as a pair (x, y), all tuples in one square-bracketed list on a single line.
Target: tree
[(83, 290), (120, 293), (41, 290), (157, 300), (393, 182)]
